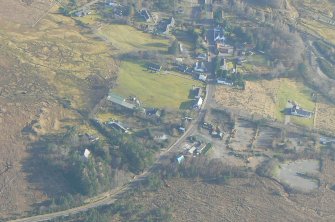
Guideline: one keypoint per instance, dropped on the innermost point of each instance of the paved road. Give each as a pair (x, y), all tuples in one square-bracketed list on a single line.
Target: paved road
[(111, 196)]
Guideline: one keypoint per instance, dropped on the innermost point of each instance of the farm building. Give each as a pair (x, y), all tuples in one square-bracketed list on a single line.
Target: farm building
[(154, 67), (118, 100), (298, 111)]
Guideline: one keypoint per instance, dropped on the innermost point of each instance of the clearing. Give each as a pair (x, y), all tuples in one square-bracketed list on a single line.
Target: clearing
[(299, 174), (127, 39)]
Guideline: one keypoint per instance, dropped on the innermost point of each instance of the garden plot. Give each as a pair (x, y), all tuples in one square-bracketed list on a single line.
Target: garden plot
[(243, 136), (265, 137), (299, 175), (297, 142)]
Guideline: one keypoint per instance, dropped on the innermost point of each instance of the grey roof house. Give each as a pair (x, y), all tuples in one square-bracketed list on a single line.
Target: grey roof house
[(154, 67), (298, 111), (116, 99)]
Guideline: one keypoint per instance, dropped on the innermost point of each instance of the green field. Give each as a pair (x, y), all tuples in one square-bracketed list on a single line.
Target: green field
[(291, 90), (154, 89), (126, 39)]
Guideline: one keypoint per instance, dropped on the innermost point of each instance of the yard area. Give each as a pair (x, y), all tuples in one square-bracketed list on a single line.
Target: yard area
[(169, 90), (268, 98)]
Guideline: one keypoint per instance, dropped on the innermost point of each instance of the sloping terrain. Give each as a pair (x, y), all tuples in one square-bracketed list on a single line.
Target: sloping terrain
[(50, 74), (244, 199)]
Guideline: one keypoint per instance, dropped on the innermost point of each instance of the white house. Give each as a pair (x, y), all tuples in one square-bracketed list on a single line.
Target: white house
[(198, 103), (203, 77), (224, 82), (200, 67), (87, 153)]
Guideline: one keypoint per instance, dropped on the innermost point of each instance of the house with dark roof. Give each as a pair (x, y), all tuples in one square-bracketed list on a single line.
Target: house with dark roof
[(154, 67), (166, 25), (117, 126), (202, 56), (153, 112), (298, 111), (219, 35), (146, 15), (197, 91), (182, 68)]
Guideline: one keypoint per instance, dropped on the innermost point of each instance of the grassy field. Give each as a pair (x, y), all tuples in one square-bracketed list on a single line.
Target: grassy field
[(126, 39), (154, 89), (268, 98), (289, 90)]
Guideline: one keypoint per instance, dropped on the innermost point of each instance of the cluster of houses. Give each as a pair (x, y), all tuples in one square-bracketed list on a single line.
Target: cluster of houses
[(215, 132), (191, 150), (163, 27)]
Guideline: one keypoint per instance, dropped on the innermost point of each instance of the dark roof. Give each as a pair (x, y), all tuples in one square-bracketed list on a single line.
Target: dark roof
[(197, 92), (153, 111), (154, 67), (145, 14), (300, 112), (182, 67)]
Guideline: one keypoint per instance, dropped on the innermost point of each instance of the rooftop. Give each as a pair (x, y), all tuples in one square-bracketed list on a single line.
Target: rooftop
[(117, 99)]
